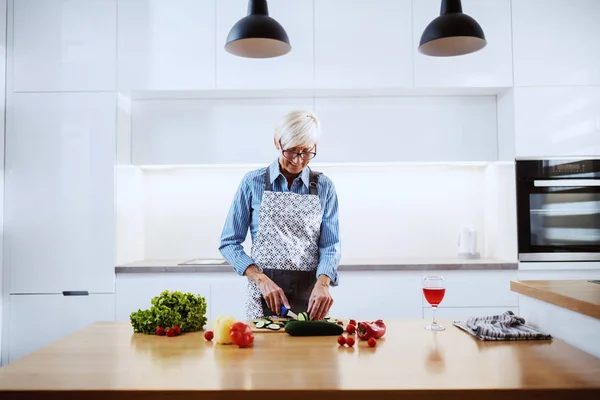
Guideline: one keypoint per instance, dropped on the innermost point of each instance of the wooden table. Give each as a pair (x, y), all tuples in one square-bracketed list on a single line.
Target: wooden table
[(107, 359), (576, 295)]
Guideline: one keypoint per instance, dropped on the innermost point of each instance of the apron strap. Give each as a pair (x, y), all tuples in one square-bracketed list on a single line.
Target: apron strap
[(314, 179), (268, 187)]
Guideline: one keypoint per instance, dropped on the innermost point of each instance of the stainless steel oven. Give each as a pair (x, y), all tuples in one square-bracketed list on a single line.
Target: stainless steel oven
[(558, 209)]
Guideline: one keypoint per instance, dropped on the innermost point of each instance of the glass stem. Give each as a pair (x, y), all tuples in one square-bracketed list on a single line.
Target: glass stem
[(434, 321)]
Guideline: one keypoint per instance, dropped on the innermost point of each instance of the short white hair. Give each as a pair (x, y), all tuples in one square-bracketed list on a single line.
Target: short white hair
[(298, 128)]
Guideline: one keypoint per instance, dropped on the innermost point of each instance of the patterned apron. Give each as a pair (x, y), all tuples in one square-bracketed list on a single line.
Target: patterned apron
[(286, 246)]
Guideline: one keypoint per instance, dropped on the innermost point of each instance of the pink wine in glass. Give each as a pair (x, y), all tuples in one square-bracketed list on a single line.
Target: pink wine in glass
[(434, 296)]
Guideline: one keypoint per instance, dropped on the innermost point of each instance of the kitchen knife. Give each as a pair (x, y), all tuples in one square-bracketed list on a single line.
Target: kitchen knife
[(285, 312)]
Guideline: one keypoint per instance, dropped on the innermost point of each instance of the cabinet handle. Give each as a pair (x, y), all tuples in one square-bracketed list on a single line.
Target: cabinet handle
[(75, 293)]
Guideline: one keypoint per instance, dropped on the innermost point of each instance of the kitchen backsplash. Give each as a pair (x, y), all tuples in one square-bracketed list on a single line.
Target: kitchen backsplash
[(386, 212)]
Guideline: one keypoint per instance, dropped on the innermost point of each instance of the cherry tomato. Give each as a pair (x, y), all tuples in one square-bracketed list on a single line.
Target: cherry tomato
[(372, 342), (341, 340), (351, 329), (209, 335), (350, 341)]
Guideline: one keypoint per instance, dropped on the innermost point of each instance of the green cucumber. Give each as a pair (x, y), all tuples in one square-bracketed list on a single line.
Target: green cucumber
[(274, 327), (260, 324), (303, 316), (313, 328)]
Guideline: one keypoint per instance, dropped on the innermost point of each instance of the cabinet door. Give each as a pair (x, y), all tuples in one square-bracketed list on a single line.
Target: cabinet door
[(60, 151), (557, 121), (135, 291), (370, 296), (556, 42), (38, 320), (362, 44), (219, 131), (408, 129), (489, 67), (293, 70), (477, 288), (166, 44), (62, 45)]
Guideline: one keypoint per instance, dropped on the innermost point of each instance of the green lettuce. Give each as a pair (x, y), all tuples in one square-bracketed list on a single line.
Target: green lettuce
[(186, 310)]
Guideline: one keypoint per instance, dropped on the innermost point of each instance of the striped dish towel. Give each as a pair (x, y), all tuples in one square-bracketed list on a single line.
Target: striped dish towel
[(506, 326)]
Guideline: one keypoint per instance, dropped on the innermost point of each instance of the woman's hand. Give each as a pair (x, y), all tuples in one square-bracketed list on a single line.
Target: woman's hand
[(320, 300), (272, 293)]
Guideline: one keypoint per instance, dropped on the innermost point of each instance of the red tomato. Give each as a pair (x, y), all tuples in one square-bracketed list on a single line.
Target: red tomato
[(241, 334), (341, 340), (372, 342), (177, 330), (352, 322), (208, 335), (350, 341), (351, 329)]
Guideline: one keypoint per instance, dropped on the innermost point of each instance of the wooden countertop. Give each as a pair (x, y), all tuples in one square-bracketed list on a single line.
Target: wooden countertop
[(576, 295), (107, 359)]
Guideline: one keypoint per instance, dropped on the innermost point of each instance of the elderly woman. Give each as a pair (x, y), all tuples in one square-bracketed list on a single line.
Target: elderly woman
[(292, 213)]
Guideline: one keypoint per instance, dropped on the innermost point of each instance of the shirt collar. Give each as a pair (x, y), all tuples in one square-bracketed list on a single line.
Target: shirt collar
[(274, 173)]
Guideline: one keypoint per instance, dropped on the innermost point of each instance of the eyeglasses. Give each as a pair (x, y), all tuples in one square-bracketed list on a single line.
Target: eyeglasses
[(291, 155)]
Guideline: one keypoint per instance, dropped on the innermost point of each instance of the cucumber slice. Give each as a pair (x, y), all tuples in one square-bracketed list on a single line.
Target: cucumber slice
[(303, 316), (274, 327), (260, 324)]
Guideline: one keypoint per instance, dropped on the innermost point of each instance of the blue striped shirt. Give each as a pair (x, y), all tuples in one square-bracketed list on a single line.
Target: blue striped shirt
[(245, 209)]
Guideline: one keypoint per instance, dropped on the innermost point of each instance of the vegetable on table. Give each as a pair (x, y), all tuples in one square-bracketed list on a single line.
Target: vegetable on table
[(352, 322), (341, 340), (367, 330), (372, 342), (160, 331), (187, 311), (313, 328), (267, 323), (351, 329), (349, 341), (241, 334), (222, 329), (208, 335)]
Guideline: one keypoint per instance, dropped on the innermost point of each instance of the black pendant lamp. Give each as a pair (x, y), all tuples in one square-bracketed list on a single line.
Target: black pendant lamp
[(452, 33), (257, 35)]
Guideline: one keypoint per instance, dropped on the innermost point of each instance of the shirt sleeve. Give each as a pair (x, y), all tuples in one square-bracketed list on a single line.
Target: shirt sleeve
[(235, 230), (329, 241)]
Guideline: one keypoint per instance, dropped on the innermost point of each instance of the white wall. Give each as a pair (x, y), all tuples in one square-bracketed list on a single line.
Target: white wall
[(417, 210)]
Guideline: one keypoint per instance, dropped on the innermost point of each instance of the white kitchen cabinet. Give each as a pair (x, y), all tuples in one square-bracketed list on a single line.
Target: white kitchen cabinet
[(557, 121), (59, 226), (203, 131), (477, 288), (377, 295), (62, 45), (489, 67), (38, 320), (361, 44), (227, 294), (556, 42), (391, 129), (166, 44), (293, 70), (134, 291)]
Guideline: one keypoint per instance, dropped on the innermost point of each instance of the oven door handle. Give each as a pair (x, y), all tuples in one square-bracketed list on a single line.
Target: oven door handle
[(567, 183)]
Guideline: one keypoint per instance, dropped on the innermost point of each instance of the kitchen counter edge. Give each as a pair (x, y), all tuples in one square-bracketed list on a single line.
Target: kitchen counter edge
[(174, 266)]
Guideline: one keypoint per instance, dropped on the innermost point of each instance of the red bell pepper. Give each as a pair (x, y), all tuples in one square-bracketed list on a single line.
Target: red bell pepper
[(367, 330), (241, 334)]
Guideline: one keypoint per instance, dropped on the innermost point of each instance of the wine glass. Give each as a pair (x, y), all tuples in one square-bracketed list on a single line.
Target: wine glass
[(434, 290)]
